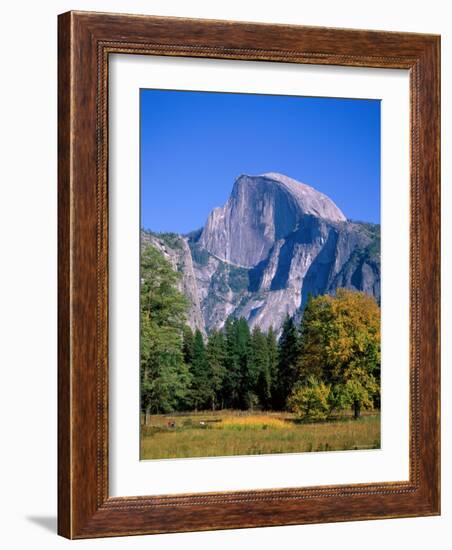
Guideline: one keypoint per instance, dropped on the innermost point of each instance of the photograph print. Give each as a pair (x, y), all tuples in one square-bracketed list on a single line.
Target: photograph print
[(259, 274)]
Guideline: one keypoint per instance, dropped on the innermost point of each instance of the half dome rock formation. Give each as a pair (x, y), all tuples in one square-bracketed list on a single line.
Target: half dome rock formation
[(260, 211), (275, 242)]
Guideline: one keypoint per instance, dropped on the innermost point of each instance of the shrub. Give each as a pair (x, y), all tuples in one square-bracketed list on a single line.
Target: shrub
[(238, 278), (199, 255), (310, 401), (171, 240)]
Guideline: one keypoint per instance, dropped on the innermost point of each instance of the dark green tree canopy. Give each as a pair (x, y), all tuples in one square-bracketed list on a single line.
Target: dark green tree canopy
[(165, 377)]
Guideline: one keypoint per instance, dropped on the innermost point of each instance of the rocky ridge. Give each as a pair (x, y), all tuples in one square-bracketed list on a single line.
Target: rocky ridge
[(273, 243)]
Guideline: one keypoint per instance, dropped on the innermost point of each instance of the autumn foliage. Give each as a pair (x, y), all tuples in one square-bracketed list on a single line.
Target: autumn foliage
[(338, 362)]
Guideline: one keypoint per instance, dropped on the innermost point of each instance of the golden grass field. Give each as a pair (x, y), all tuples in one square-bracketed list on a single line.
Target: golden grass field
[(228, 433)]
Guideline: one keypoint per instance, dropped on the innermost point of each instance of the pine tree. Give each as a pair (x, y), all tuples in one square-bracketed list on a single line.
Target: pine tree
[(243, 349), (201, 391), (287, 362), (159, 294), (273, 359), (216, 354), (232, 379), (164, 377), (188, 342), (259, 369)]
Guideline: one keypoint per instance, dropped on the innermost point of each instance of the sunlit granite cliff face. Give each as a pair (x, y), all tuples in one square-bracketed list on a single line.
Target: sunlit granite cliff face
[(261, 211), (273, 243)]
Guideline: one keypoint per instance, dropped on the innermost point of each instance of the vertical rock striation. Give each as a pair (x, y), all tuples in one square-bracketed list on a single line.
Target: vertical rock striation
[(273, 243), (261, 210)]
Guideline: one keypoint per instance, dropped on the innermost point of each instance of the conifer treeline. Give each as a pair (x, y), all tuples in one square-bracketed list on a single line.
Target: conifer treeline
[(233, 369), (329, 361)]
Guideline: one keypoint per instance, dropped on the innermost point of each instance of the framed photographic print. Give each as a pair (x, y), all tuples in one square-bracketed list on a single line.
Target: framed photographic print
[(248, 275)]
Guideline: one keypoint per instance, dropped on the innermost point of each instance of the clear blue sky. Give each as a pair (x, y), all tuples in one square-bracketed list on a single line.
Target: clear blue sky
[(195, 144)]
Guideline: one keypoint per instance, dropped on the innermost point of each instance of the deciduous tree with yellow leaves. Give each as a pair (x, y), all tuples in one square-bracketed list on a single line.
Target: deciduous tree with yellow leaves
[(340, 348)]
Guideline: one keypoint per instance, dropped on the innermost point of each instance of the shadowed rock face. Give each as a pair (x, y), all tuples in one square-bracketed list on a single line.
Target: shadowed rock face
[(260, 256)]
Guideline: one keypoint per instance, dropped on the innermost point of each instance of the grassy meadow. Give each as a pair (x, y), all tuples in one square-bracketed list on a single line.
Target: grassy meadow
[(229, 432)]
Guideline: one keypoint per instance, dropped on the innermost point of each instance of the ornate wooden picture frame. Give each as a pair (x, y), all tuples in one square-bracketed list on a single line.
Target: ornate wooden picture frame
[(86, 41)]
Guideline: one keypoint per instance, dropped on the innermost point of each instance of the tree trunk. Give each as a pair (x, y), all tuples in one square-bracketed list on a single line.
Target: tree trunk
[(356, 410), (147, 419)]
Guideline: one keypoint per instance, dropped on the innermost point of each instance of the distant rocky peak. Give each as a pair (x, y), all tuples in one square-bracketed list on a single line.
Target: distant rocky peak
[(273, 244), (261, 210), (311, 201)]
